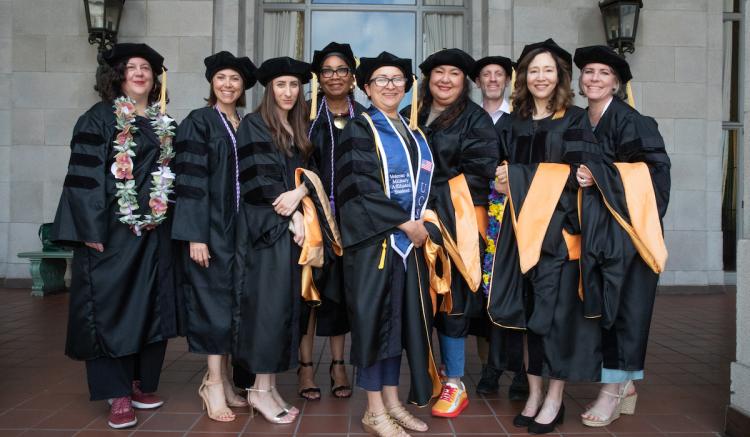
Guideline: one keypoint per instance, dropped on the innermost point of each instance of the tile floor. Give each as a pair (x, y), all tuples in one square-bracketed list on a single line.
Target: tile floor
[(44, 393)]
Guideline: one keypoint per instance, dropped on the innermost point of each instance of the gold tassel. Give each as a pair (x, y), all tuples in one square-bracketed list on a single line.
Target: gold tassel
[(314, 96), (629, 92), (414, 110), (163, 97), (512, 87), (381, 265)]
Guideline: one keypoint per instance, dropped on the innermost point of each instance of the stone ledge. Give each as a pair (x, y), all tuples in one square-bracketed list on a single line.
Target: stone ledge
[(695, 289), (736, 422)]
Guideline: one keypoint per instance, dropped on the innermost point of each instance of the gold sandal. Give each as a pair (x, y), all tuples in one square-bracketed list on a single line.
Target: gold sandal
[(382, 425), (406, 419), (282, 418), (222, 413)]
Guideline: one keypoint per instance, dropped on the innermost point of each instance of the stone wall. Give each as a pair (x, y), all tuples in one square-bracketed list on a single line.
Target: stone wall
[(47, 66), (740, 368), (677, 70), (46, 81)]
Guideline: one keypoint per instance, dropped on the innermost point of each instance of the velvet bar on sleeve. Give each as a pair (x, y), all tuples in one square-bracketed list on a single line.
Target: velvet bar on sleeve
[(623, 247), (331, 315), (367, 220), (468, 147), (206, 212), (123, 298), (534, 281), (268, 286)]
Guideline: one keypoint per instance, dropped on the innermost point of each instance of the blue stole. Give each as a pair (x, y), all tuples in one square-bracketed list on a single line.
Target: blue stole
[(400, 184)]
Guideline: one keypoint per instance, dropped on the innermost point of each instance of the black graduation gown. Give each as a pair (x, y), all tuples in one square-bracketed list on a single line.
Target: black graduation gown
[(468, 146), (504, 130), (331, 316), (266, 330), (368, 218), (618, 285), (545, 301), (123, 298), (206, 212), (480, 324)]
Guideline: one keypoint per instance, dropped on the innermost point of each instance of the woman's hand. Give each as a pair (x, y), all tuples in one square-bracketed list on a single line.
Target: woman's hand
[(288, 202), (99, 247), (298, 223), (501, 180), (584, 177), (416, 232), (199, 253)]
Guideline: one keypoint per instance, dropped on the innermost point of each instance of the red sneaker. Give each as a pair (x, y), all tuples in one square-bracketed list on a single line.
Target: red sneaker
[(121, 414), (145, 401)]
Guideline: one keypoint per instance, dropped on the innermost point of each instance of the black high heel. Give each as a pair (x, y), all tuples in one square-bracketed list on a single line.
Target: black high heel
[(335, 390), (521, 421), (303, 393), (544, 428)]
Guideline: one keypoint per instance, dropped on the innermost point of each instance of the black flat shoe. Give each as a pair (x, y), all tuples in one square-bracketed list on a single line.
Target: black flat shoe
[(544, 428)]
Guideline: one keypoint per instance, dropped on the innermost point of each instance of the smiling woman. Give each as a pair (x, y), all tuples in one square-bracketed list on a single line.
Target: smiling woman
[(206, 211), (114, 209), (274, 155), (384, 174)]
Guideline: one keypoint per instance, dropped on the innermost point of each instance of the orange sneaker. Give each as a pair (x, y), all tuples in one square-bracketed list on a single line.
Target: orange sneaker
[(453, 400)]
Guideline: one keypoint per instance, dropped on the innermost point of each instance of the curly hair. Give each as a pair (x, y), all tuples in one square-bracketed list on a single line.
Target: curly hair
[(562, 97), (110, 79), (451, 113)]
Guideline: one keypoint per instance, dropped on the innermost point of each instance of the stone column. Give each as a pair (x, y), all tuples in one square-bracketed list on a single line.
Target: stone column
[(738, 413)]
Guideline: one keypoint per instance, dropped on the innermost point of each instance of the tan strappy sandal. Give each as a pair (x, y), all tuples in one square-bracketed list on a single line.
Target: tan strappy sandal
[(625, 405), (219, 413), (406, 419), (382, 425)]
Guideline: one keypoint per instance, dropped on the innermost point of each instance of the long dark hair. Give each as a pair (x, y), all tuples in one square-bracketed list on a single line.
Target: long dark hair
[(451, 113), (562, 97), (297, 117), (110, 80)]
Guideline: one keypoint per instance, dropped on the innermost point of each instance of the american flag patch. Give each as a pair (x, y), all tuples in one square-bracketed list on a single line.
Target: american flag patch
[(426, 165)]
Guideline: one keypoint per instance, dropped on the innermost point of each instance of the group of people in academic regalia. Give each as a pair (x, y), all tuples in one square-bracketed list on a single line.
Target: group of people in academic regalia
[(527, 222)]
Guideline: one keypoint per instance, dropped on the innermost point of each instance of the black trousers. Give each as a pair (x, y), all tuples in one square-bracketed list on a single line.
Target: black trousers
[(113, 377), (242, 378)]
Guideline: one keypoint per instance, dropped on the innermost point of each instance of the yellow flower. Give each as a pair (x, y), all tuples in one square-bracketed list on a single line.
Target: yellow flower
[(490, 246)]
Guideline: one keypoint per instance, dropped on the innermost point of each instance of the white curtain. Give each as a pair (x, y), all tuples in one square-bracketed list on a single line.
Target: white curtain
[(442, 31), (283, 34), (727, 70)]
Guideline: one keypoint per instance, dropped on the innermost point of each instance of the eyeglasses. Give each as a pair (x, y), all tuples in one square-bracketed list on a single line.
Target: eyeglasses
[(340, 72), (382, 82)]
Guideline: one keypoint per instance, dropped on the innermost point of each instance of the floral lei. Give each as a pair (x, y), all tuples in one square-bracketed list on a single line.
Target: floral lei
[(161, 180), (495, 212)]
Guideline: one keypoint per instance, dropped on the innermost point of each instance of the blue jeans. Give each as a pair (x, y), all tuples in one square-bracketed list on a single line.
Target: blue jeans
[(382, 372), (453, 355), (612, 376)]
